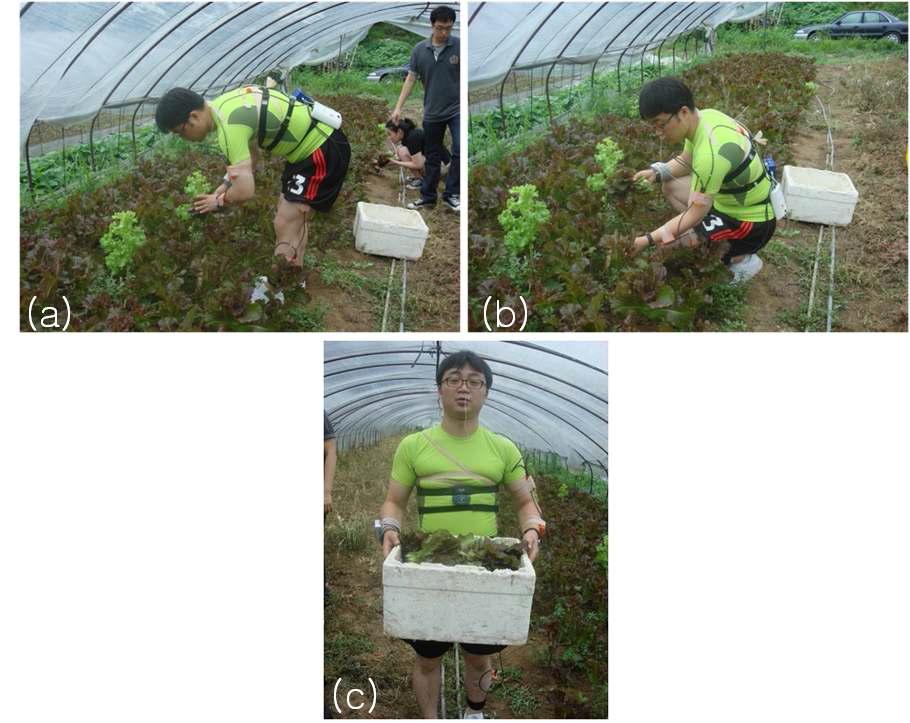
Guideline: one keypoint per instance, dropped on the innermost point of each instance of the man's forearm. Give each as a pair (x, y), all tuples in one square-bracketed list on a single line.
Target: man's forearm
[(390, 509), (529, 514), (678, 168), (405, 91)]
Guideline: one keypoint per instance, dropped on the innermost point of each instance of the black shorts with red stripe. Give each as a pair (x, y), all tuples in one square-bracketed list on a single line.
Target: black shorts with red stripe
[(745, 237), (317, 179)]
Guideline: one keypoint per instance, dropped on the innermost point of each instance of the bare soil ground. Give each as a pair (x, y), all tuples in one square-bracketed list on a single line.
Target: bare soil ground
[(352, 286), (866, 104)]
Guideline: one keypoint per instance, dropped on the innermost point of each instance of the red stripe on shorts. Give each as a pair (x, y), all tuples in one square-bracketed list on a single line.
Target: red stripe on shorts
[(318, 175), (745, 228)]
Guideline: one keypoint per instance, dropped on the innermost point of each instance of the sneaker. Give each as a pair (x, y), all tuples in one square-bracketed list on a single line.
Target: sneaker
[(414, 183), (472, 714), (421, 203), (744, 270), (452, 202)]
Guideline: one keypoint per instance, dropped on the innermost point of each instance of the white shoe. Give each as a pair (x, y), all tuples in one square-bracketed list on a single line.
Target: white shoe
[(472, 714), (744, 270)]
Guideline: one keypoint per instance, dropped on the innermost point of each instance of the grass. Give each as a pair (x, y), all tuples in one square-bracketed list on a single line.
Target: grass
[(732, 39), (521, 699)]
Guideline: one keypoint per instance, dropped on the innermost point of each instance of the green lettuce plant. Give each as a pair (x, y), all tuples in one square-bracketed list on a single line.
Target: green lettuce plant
[(196, 185), (523, 216), (123, 237), (608, 156)]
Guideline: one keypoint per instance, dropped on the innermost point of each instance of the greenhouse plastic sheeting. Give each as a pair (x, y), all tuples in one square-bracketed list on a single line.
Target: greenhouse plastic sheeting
[(547, 396), (547, 33), (78, 57)]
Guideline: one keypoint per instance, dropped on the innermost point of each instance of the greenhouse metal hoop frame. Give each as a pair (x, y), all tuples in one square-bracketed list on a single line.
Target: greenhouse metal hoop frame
[(702, 10), (273, 60), (397, 411)]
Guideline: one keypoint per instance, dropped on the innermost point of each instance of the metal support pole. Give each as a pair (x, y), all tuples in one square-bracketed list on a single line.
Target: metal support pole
[(91, 139), (63, 151), (28, 163)]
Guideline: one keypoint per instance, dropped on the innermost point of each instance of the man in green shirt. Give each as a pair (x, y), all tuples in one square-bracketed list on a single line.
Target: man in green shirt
[(718, 184), (457, 468), (253, 117)]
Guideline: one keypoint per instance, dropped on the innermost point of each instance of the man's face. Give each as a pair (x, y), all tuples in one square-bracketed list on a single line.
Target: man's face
[(442, 30), (672, 127), (463, 392), (194, 129)]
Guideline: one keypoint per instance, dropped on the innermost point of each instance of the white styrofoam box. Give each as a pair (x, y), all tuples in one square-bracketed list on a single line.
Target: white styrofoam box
[(389, 231), (457, 603), (819, 196)]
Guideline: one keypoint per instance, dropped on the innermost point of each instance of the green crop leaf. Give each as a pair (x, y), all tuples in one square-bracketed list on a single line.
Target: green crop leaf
[(523, 216), (123, 237), (447, 549)]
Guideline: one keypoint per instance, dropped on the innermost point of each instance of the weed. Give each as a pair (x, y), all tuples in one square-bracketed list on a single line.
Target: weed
[(352, 534)]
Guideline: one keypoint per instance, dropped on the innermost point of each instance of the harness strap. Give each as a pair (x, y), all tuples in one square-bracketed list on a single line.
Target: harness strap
[(463, 489), (738, 170), (458, 508), (263, 114)]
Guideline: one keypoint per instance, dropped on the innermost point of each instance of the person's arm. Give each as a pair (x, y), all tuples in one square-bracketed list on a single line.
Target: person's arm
[(392, 511), (529, 514), (405, 92), (241, 188), (330, 458), (404, 159), (678, 167)]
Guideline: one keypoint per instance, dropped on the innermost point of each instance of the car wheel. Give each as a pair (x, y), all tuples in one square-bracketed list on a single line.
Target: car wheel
[(814, 37), (387, 78), (893, 37)]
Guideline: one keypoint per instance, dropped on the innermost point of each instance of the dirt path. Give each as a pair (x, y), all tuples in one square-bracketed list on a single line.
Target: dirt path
[(867, 107), (352, 285)]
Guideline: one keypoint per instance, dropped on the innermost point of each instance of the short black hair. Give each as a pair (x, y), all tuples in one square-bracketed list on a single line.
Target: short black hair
[(443, 13), (405, 125), (175, 107), (664, 95), (460, 359)]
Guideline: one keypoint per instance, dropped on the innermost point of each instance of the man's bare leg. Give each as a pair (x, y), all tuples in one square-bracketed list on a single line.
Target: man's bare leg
[(292, 224), (677, 192), (426, 681), (477, 676)]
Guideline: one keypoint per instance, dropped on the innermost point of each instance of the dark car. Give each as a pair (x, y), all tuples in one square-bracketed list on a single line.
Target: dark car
[(385, 75), (858, 24)]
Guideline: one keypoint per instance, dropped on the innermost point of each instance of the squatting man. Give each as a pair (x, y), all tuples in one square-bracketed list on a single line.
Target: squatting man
[(458, 468), (718, 185), (254, 118)]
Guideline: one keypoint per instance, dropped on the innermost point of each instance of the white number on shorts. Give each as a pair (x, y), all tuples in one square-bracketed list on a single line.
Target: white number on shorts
[(712, 222), (298, 189)]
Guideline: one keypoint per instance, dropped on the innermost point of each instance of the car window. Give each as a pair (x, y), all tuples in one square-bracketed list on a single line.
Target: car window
[(873, 18), (852, 18)]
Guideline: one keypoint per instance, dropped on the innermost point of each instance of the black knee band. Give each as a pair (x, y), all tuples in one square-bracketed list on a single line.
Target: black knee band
[(476, 706)]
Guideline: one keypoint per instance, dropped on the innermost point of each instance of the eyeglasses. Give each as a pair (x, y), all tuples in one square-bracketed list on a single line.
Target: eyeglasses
[(659, 126), (455, 382), (442, 28)]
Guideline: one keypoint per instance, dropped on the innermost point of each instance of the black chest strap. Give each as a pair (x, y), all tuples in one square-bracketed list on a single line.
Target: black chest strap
[(263, 114)]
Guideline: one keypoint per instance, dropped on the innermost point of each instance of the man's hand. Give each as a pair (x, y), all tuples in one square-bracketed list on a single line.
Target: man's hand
[(389, 540), (648, 173), (531, 543), (396, 115), (327, 503), (638, 245), (205, 203)]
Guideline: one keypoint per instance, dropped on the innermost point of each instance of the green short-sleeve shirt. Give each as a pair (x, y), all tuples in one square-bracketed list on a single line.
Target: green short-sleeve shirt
[(433, 460), (720, 145), (236, 116)]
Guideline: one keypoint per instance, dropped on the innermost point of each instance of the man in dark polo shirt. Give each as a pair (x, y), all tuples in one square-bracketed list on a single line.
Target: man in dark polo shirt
[(437, 63)]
